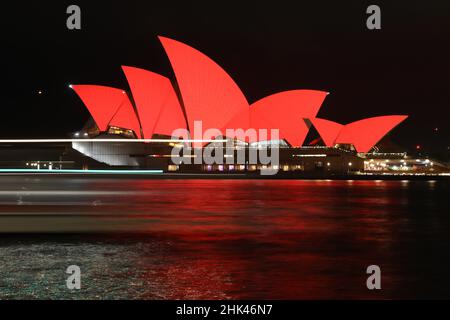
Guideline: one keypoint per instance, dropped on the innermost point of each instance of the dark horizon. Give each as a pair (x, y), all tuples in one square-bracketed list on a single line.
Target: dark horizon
[(400, 69)]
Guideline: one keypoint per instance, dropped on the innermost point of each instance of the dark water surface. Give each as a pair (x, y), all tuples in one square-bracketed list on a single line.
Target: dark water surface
[(223, 239)]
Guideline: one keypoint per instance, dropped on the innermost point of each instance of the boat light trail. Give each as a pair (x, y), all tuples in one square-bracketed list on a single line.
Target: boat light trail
[(108, 140), (80, 171)]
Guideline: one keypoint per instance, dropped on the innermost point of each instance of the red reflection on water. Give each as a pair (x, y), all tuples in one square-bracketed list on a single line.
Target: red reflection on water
[(274, 239)]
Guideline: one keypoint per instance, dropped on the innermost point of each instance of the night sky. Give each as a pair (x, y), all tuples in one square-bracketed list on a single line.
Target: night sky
[(265, 46)]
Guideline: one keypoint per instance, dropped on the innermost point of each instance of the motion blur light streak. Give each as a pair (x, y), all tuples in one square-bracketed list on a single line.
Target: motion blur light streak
[(305, 187), (87, 171), (255, 239), (108, 140)]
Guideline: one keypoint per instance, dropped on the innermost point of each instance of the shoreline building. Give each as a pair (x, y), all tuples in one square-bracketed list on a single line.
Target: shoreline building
[(209, 95), (149, 121)]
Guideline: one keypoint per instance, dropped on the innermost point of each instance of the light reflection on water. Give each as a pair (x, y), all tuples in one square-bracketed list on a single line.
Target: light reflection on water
[(226, 239)]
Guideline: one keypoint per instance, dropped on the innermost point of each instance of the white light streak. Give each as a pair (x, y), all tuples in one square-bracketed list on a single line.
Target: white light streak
[(107, 140), (79, 171)]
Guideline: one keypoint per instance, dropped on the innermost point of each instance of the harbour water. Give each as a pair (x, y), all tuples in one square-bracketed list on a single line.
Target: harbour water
[(222, 239)]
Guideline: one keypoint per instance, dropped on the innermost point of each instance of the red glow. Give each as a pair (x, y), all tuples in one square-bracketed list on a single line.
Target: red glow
[(126, 118), (156, 102), (363, 134), (171, 116), (286, 111), (209, 94), (102, 102), (327, 129)]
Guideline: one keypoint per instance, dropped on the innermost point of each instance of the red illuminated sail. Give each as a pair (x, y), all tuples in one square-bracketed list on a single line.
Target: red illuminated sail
[(363, 134), (156, 102), (328, 130), (285, 111), (102, 102), (126, 118), (209, 94)]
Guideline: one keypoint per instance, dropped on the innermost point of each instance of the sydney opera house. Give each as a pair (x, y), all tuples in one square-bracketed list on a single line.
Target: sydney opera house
[(203, 92), (139, 127)]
